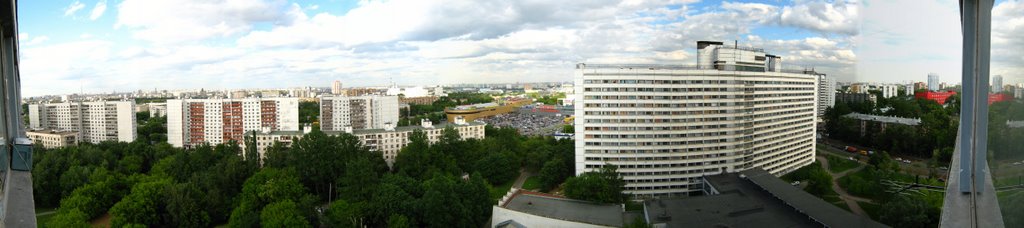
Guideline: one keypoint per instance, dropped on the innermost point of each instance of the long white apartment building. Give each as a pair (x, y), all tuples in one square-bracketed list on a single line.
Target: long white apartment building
[(389, 141), (359, 112), (95, 121), (192, 122), (666, 126)]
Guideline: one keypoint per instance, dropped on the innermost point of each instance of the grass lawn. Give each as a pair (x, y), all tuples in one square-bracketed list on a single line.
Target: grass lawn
[(498, 191), (532, 183), (837, 164), (871, 209), (41, 220)]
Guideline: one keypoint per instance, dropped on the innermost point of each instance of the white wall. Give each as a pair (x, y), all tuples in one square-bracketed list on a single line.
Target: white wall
[(175, 123), (287, 114), (126, 124)]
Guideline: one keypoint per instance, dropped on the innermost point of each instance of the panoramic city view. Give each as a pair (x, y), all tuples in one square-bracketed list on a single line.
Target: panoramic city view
[(422, 113)]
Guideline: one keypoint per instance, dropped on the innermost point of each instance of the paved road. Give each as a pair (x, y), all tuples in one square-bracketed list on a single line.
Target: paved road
[(850, 200)]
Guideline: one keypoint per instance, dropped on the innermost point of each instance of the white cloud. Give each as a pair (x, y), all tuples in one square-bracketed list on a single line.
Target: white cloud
[(215, 44), (898, 45), (36, 40), (97, 11), (170, 21), (831, 17), (74, 7), (1007, 30)]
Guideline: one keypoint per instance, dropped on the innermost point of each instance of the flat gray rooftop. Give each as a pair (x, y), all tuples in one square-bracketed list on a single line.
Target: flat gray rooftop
[(757, 199), (568, 209)]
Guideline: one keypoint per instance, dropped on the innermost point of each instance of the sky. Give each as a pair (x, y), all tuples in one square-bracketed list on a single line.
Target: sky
[(126, 45)]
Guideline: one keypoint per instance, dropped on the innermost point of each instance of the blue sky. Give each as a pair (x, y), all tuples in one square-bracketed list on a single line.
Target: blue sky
[(124, 45)]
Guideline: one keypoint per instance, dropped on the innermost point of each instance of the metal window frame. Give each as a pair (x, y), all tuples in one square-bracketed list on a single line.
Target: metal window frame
[(970, 196)]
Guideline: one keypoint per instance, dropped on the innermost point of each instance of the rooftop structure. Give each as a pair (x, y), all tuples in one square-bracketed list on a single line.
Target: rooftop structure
[(751, 198), (532, 209), (477, 111), (884, 119)]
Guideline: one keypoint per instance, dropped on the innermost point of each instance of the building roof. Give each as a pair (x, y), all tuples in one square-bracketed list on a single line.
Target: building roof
[(752, 198), (567, 209), (884, 119), (52, 131)]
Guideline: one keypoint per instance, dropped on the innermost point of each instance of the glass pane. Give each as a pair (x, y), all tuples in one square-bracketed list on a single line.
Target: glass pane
[(1006, 111)]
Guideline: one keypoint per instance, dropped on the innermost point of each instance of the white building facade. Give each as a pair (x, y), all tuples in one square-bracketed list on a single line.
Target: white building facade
[(192, 122), (826, 93), (387, 141), (361, 112), (95, 122), (889, 91), (666, 126)]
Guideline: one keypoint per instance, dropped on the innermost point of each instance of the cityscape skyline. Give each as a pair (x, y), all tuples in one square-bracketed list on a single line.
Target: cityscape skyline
[(103, 47)]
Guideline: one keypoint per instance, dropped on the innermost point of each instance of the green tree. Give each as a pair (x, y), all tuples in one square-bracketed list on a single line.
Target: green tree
[(603, 186), (185, 206), (903, 211), (71, 218), (282, 214), (344, 214), (143, 206), (398, 221)]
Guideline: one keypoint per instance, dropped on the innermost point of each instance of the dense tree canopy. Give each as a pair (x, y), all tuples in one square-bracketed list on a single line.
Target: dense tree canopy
[(320, 180)]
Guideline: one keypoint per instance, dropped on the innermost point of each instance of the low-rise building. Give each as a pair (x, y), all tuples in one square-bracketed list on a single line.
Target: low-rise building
[(389, 141), (51, 138)]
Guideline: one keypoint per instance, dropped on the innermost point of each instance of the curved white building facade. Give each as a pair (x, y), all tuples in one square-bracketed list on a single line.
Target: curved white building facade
[(666, 126)]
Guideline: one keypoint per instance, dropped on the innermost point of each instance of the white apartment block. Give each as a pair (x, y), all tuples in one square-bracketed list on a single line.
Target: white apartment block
[(361, 112), (95, 122), (889, 91), (387, 141), (826, 93), (191, 122), (666, 126), (52, 138)]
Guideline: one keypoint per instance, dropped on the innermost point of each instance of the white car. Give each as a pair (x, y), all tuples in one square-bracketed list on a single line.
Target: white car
[(1016, 163)]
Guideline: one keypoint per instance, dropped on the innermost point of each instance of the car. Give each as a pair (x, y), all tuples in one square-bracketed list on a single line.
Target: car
[(795, 183), (851, 159), (1016, 163), (898, 159), (906, 161)]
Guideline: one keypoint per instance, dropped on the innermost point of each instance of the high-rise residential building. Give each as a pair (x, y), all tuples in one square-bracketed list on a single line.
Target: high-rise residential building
[(336, 88), (192, 122), (95, 122), (909, 89), (361, 112), (933, 82), (889, 91), (664, 127), (997, 84), (826, 93)]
